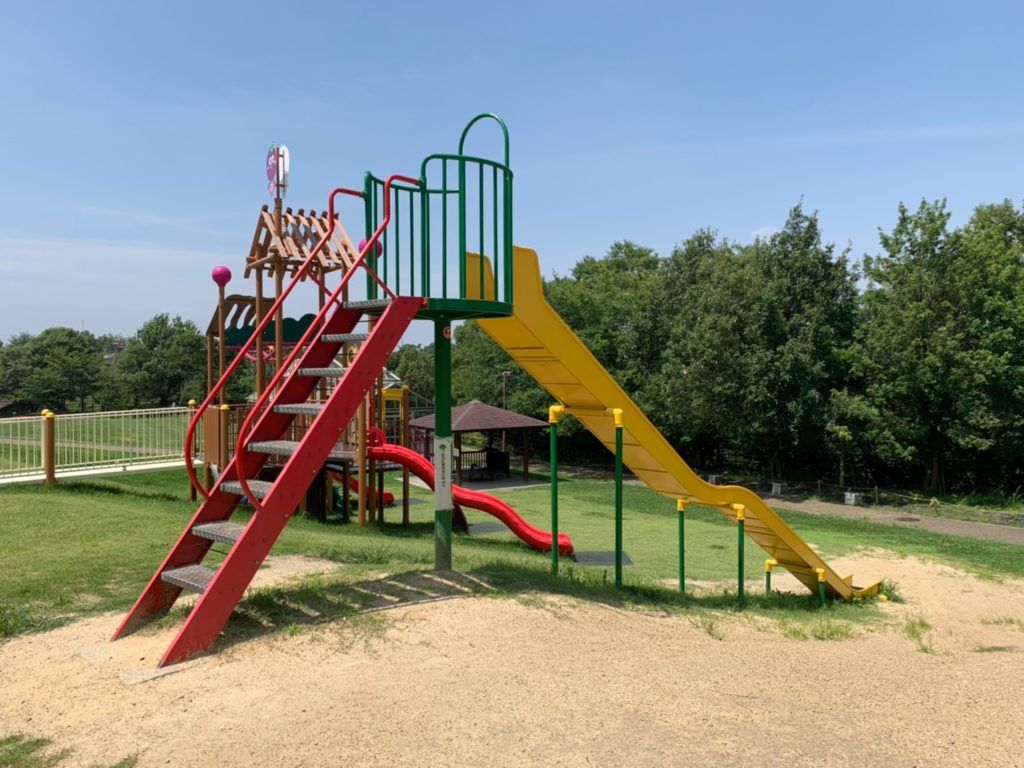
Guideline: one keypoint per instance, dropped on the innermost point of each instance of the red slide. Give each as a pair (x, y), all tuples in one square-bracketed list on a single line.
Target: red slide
[(425, 471)]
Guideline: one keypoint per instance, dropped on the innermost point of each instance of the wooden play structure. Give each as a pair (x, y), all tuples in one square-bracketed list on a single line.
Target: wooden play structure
[(282, 243)]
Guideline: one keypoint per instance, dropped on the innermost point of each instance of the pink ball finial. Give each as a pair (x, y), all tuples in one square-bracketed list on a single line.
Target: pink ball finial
[(221, 275), (379, 248)]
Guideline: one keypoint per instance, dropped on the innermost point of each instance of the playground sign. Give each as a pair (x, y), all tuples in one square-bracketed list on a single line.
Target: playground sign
[(277, 170), (443, 472)]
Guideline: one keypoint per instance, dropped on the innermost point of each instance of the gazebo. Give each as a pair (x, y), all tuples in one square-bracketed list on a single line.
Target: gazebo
[(475, 416)]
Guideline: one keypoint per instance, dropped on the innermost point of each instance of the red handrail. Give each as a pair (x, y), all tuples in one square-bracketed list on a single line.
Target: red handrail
[(240, 355), (359, 262)]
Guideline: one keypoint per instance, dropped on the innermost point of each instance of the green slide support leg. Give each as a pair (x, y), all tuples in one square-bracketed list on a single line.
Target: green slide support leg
[(618, 504), (741, 516), (681, 509), (553, 420)]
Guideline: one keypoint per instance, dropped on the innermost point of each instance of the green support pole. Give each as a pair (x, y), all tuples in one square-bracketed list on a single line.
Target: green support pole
[(821, 586), (618, 498), (681, 508), (769, 564), (741, 514), (442, 445), (553, 421)]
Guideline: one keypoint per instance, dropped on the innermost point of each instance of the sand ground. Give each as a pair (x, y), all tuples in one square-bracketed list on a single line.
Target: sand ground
[(473, 681)]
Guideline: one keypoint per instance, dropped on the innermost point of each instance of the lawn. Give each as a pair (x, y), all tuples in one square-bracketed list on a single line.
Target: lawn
[(84, 547)]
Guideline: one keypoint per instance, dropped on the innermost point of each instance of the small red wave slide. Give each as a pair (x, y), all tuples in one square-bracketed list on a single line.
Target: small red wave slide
[(423, 469)]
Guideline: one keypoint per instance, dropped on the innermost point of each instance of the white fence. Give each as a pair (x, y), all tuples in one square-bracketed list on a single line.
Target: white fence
[(95, 443), (21, 446)]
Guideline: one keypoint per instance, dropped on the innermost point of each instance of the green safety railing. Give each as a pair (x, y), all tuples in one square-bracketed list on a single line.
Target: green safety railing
[(463, 204)]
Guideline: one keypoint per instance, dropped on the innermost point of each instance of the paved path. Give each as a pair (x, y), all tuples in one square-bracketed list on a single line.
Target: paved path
[(902, 518)]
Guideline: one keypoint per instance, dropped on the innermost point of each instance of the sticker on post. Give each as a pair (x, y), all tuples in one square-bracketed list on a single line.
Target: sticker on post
[(443, 473)]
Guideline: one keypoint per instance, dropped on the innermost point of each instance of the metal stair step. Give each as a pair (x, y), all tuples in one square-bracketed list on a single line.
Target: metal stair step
[(326, 373), (311, 409), (223, 531), (260, 488), (345, 337), (367, 305), (194, 577), (280, 447)]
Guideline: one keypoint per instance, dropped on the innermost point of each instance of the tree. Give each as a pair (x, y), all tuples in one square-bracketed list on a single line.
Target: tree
[(58, 366), (941, 337), (755, 342), (850, 421), (478, 373), (991, 281), (802, 329), (164, 362), (414, 365), (607, 303), (693, 393)]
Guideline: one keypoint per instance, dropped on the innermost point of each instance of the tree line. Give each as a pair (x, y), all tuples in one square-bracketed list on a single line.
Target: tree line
[(163, 363), (784, 357), (781, 357)]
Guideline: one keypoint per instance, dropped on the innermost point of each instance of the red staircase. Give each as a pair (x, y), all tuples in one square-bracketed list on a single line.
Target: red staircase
[(261, 435)]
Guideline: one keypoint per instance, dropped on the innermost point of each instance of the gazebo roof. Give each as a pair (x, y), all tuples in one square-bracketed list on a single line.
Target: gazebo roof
[(475, 416)]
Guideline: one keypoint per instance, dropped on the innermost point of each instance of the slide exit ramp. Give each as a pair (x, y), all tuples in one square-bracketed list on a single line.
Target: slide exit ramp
[(540, 341)]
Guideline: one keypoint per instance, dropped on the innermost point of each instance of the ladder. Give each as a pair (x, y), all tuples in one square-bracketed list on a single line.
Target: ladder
[(261, 436)]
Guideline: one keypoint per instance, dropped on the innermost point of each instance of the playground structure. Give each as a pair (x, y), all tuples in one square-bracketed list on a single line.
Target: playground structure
[(437, 247), (282, 243)]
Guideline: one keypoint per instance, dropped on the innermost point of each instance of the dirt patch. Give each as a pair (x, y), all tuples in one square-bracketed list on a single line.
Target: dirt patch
[(481, 681)]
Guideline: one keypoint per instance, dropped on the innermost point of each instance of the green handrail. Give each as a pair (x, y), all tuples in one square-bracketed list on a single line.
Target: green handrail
[(474, 121), (483, 189)]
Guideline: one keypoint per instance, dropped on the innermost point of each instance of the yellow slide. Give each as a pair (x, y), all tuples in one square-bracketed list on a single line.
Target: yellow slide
[(540, 341)]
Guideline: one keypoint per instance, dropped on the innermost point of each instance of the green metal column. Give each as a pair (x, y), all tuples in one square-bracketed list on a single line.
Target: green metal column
[(553, 429), (741, 515), (681, 509), (442, 445), (618, 498)]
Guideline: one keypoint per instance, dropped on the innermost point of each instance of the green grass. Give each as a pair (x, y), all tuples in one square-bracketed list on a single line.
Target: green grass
[(1005, 621), (19, 751), (85, 547), (990, 499), (916, 629)]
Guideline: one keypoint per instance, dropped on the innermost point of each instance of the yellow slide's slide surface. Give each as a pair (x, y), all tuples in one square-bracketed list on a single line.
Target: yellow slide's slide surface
[(540, 341)]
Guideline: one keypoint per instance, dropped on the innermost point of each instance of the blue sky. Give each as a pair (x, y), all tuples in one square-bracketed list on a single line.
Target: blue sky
[(134, 133)]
